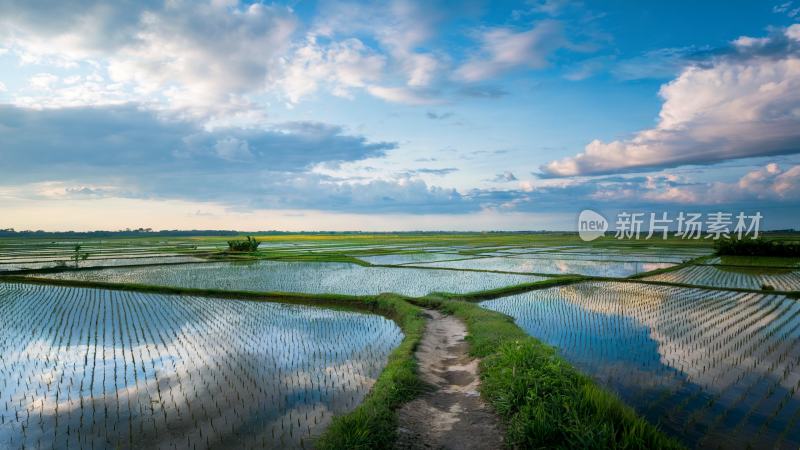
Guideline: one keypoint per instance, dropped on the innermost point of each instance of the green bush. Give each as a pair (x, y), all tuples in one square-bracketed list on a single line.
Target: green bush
[(243, 245), (756, 247)]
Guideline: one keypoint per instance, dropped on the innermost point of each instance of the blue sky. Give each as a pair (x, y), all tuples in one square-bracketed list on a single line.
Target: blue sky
[(395, 115)]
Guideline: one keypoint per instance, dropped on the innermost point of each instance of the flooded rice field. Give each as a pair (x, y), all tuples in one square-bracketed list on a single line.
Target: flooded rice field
[(714, 368), (781, 279), (87, 368), (306, 277)]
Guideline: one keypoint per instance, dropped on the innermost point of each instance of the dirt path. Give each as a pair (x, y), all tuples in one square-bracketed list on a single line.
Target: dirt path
[(452, 415)]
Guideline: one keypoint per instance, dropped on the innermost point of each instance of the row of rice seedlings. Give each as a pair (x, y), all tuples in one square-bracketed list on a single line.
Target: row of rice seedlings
[(788, 280), (88, 368), (713, 367), (664, 258), (551, 266), (309, 277)]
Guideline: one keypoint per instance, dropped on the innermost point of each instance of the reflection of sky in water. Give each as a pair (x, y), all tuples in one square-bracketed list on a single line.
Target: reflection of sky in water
[(553, 266), (83, 367), (310, 277), (711, 367), (736, 277)]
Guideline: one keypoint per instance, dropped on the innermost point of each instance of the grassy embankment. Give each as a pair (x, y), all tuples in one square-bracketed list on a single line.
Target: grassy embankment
[(543, 400)]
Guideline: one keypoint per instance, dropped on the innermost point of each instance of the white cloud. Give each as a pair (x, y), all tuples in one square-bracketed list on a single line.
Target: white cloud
[(740, 105), (503, 49), (400, 27), (769, 183), (204, 57), (340, 66), (404, 95), (199, 58), (42, 81), (3, 87), (334, 55)]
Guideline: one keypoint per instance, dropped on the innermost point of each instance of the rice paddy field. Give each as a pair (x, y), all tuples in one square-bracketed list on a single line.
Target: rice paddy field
[(133, 345), (302, 277), (717, 368), (554, 266), (781, 279), (88, 368)]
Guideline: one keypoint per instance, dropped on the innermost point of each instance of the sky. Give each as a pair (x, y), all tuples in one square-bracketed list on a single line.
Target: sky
[(395, 115)]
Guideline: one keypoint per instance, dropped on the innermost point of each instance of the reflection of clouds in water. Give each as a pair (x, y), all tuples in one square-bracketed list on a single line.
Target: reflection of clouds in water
[(647, 267), (711, 366), (748, 278), (550, 265), (147, 371), (307, 277)]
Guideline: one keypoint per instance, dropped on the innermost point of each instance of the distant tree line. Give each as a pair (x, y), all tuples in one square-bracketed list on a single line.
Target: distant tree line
[(756, 247)]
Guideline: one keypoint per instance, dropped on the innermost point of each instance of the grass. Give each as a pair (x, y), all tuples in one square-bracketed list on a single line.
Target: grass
[(543, 400), (373, 424)]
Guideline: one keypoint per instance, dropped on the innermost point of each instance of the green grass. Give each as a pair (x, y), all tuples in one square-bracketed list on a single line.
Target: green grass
[(373, 424), (543, 400)]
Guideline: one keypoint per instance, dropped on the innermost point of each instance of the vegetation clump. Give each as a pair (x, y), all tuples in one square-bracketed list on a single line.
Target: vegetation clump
[(77, 256), (243, 245), (756, 247)]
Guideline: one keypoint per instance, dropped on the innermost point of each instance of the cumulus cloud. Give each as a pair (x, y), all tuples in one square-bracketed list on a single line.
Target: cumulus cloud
[(339, 66), (502, 49), (125, 151), (770, 184), (218, 60), (392, 67), (197, 57), (400, 27), (126, 139), (742, 104)]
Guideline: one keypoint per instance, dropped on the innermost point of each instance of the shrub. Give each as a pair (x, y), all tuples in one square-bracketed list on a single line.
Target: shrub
[(756, 247), (77, 256), (243, 245)]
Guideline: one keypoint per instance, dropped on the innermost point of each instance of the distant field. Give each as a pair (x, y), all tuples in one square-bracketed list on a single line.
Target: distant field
[(307, 277), (716, 368), (672, 337)]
